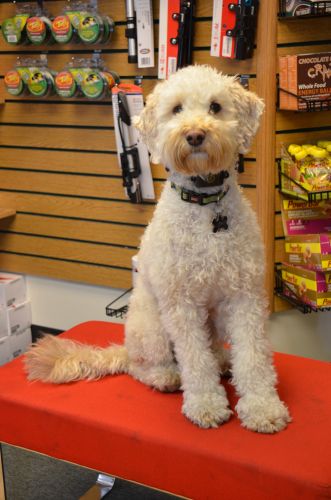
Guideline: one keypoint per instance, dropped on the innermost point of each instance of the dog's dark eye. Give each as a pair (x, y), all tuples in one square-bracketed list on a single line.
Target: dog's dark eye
[(215, 107), (177, 109)]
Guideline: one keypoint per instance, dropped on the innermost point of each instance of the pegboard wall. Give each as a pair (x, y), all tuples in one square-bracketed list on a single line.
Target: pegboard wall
[(58, 164)]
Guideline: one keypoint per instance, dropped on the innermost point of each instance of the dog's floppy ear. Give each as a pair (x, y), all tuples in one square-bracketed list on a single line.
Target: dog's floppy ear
[(249, 109), (146, 123)]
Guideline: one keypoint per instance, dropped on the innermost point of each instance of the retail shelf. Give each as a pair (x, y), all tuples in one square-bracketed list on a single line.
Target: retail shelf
[(283, 291)]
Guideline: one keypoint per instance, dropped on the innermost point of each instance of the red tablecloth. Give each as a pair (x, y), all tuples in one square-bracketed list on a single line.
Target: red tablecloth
[(119, 426)]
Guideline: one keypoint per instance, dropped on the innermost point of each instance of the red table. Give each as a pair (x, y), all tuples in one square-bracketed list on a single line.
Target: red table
[(119, 426)]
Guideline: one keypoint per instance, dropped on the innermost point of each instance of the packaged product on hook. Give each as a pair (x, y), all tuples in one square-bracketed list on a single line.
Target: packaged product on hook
[(97, 84), (14, 83), (37, 77), (62, 29), (14, 28), (66, 85), (94, 28), (41, 82), (86, 76), (86, 24), (39, 27)]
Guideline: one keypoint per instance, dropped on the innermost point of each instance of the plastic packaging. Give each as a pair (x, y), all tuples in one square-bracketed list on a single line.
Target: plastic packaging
[(87, 77)]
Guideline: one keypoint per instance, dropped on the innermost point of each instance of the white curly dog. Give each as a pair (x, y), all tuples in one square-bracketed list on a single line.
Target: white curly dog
[(201, 271)]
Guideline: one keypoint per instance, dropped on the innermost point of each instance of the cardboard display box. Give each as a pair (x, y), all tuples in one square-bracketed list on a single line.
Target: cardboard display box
[(310, 287), (19, 317), (19, 342), (12, 289), (299, 178), (5, 350), (312, 251), (4, 330), (304, 217)]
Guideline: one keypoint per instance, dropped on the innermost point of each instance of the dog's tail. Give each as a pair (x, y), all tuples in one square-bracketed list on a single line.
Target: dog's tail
[(57, 360)]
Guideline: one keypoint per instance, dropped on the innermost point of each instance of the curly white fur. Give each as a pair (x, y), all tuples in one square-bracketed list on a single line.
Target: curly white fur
[(194, 286)]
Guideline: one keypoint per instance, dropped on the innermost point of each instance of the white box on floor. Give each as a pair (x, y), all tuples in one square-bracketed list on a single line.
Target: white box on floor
[(19, 342), (5, 350), (12, 289), (19, 317), (4, 327)]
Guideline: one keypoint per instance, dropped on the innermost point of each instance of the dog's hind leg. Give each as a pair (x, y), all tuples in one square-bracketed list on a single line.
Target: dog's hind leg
[(150, 350)]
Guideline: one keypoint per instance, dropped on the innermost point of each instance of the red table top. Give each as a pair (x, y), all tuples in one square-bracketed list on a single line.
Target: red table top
[(119, 426)]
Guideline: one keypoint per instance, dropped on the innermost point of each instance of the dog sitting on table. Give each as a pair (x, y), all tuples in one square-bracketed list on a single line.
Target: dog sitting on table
[(201, 271)]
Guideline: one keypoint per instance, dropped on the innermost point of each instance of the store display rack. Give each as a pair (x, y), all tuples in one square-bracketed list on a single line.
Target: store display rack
[(314, 9), (118, 312), (310, 105), (283, 291), (308, 196)]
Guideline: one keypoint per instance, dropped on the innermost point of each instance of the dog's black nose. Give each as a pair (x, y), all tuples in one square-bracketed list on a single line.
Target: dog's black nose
[(195, 137)]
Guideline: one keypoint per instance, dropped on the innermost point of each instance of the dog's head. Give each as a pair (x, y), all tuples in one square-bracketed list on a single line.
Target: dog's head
[(198, 120)]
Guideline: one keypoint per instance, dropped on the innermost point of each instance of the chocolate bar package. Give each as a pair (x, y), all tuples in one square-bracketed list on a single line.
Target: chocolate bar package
[(308, 76), (312, 251), (310, 287)]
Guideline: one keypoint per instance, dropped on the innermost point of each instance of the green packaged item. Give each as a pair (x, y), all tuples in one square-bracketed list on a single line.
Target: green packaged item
[(109, 27), (38, 80), (94, 28), (90, 26), (14, 29), (93, 85)]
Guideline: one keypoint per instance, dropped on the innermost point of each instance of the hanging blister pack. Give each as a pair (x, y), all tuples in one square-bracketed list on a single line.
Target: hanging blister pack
[(140, 32), (133, 157), (30, 76), (175, 36), (233, 28), (145, 33)]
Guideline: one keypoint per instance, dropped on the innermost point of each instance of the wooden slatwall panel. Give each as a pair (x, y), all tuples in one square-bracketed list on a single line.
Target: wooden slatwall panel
[(300, 36), (58, 165)]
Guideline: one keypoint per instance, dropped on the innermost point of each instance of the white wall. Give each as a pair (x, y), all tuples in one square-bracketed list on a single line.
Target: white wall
[(62, 305), (307, 335)]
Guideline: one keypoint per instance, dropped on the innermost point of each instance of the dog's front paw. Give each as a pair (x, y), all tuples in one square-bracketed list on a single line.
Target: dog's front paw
[(263, 414), (206, 410)]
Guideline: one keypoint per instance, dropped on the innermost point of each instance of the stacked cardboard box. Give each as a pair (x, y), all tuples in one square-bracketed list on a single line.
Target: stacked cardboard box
[(303, 79), (307, 270), (15, 317)]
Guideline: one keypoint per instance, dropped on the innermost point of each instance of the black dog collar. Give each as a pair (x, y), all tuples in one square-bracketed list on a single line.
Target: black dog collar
[(211, 180), (199, 198)]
